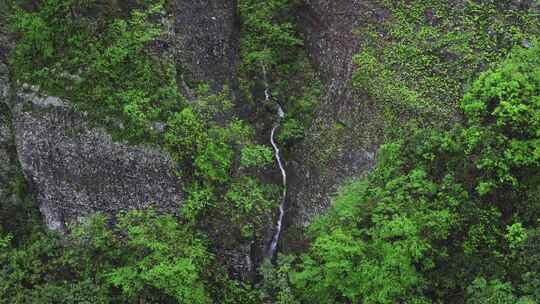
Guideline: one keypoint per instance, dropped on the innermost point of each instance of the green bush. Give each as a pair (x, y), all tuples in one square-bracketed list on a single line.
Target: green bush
[(99, 58), (442, 208), (146, 258), (256, 156)]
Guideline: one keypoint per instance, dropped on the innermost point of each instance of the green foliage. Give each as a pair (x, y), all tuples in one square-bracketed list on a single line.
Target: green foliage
[(249, 204), (257, 156), (101, 62), (276, 283), (184, 135), (515, 235), (445, 217), (504, 118), (214, 162), (419, 56), (102, 58), (442, 208), (300, 112), (160, 254), (19, 217), (272, 55), (268, 40), (153, 259), (493, 292)]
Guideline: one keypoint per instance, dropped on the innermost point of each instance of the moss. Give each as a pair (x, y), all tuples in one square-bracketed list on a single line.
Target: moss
[(331, 141), (100, 60), (419, 60)]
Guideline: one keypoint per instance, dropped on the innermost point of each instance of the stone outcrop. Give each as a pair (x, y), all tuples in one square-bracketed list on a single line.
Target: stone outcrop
[(74, 169), (71, 168), (207, 51), (206, 41)]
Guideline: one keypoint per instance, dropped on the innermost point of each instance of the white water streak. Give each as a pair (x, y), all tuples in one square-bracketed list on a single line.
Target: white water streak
[(279, 224), (277, 233)]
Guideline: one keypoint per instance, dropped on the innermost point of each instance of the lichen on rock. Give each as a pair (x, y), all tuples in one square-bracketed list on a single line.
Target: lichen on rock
[(76, 170)]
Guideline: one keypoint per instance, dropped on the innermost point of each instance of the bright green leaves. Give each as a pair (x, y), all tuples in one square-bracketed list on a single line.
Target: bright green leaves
[(217, 152), (442, 208), (372, 243), (272, 54), (492, 292), (266, 39), (213, 163), (161, 254), (201, 138), (101, 63), (509, 94), (249, 204), (256, 156), (503, 112), (153, 259), (419, 56), (185, 133), (515, 235)]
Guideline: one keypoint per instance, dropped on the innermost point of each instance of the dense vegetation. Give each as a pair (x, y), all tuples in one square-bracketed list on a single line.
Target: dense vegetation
[(449, 215)]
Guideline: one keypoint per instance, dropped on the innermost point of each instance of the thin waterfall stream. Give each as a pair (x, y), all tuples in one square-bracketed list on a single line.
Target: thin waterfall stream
[(280, 115), (277, 233)]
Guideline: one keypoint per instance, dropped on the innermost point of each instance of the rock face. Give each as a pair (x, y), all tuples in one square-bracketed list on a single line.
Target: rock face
[(5, 159), (71, 168), (8, 164), (343, 139), (207, 34), (75, 170), (7, 155), (207, 51)]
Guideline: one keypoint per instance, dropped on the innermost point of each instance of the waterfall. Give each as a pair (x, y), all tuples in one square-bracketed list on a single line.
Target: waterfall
[(280, 115), (277, 233)]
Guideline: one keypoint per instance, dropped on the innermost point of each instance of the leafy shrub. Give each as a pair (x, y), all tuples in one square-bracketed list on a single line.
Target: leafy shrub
[(442, 208), (150, 258), (256, 155), (99, 59)]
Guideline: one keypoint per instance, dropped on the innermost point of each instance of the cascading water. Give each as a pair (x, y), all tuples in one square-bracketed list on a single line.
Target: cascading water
[(275, 238), (281, 114)]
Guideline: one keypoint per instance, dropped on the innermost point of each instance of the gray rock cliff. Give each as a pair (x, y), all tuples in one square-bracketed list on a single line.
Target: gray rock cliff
[(206, 41), (344, 137), (8, 156), (72, 168), (8, 165), (75, 170)]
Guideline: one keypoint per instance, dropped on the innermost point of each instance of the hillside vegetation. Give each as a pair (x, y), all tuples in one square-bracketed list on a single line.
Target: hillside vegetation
[(449, 214)]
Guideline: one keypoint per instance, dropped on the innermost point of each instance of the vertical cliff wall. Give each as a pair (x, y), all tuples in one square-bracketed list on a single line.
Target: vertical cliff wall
[(416, 60), (7, 153), (206, 42), (75, 168), (344, 136), (8, 156)]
